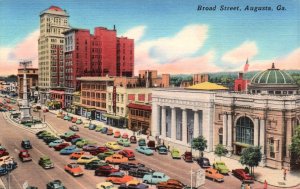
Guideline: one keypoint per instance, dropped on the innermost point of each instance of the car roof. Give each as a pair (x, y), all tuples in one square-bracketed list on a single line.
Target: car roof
[(117, 174)]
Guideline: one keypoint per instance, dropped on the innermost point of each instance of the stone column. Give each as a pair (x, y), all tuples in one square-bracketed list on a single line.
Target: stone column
[(196, 124), (173, 124), (262, 144), (163, 122), (184, 126), (155, 120), (229, 140), (225, 129), (256, 132)]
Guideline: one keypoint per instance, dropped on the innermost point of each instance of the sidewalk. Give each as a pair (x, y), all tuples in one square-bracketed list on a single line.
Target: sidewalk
[(274, 177), (2, 186)]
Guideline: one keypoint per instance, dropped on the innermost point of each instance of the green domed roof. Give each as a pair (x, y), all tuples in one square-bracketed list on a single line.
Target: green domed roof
[(272, 76)]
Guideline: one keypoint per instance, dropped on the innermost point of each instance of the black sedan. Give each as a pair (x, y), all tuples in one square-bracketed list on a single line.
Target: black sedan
[(127, 166), (93, 165), (203, 162)]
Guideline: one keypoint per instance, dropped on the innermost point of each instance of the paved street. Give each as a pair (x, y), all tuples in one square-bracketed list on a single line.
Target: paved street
[(11, 137)]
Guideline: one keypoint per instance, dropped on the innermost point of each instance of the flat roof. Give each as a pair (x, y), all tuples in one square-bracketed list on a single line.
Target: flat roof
[(95, 79)]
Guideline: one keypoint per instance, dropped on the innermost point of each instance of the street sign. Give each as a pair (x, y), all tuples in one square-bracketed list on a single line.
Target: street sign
[(25, 185)]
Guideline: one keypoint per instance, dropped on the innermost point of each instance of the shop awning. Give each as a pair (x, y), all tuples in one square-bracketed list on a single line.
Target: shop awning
[(112, 116), (242, 144), (139, 106)]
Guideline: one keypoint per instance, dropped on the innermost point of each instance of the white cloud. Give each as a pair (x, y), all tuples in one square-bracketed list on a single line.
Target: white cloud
[(135, 33), (238, 55), (26, 49)]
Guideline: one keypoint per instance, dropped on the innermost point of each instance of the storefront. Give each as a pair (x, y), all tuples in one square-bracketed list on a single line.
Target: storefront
[(100, 116), (116, 121)]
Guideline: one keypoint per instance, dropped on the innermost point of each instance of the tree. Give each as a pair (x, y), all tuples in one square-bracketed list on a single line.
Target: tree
[(295, 145), (199, 143), (220, 150), (251, 157)]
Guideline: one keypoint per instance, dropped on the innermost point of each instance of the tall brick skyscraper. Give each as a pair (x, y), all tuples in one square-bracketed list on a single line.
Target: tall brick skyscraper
[(100, 54), (53, 22)]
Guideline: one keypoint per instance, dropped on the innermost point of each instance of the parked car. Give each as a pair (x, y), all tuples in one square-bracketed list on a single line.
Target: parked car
[(118, 178), (83, 142), (221, 167), (46, 162), (74, 128), (188, 156), (50, 139), (142, 142), (89, 147), (162, 149), (242, 175), (69, 150), (133, 184), (74, 119), (125, 136), (8, 162), (175, 153), (3, 171), (99, 149), (40, 132), (3, 152), (24, 156), (98, 128), (104, 130), (93, 165), (155, 178), (73, 141), (203, 162), (84, 159), (117, 134), (110, 131), (103, 155), (105, 185), (92, 127), (76, 155), (55, 143), (70, 138), (43, 134), (213, 174), (26, 144), (105, 170), (113, 145), (126, 166), (61, 146), (74, 169), (170, 184), (68, 118), (123, 142), (144, 150), (67, 134), (151, 144), (116, 159), (127, 153), (140, 172), (78, 121), (132, 139), (55, 184)]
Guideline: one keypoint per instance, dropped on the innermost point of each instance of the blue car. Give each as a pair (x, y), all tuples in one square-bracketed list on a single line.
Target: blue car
[(155, 178), (162, 149), (73, 141), (104, 130), (144, 150), (69, 150), (55, 143), (3, 171), (92, 127)]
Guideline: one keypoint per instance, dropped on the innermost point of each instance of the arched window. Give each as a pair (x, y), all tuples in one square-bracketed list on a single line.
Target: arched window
[(245, 130)]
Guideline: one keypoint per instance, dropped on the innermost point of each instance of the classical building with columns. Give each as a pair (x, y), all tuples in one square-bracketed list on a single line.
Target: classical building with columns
[(266, 116)]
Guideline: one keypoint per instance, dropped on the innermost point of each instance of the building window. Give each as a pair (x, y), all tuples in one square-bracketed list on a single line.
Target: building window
[(271, 146), (245, 130), (220, 132)]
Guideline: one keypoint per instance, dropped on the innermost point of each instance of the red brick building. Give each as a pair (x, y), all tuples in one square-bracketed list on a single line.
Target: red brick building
[(240, 84), (100, 54)]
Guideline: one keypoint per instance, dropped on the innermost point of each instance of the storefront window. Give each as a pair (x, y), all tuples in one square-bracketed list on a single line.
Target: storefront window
[(245, 130), (271, 145)]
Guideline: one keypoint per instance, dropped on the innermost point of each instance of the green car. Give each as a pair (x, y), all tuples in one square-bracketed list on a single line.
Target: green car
[(124, 142), (67, 134), (68, 118), (175, 153), (45, 134), (98, 128), (83, 142), (45, 162), (79, 121), (103, 155), (221, 167), (142, 142)]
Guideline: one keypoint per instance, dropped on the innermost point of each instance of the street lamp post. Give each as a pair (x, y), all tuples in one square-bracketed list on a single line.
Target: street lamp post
[(190, 130)]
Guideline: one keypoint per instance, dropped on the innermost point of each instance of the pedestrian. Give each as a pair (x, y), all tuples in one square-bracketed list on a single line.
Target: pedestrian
[(168, 147), (265, 185), (284, 173)]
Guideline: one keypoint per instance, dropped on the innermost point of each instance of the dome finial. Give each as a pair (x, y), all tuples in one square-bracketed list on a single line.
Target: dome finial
[(273, 65)]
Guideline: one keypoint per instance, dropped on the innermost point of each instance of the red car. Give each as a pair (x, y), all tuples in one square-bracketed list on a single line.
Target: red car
[(170, 184), (3, 152), (24, 155), (188, 157), (100, 149), (105, 170), (127, 153), (68, 139), (241, 174), (61, 146)]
